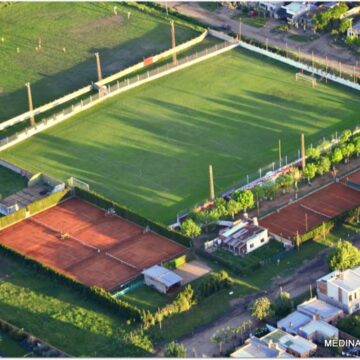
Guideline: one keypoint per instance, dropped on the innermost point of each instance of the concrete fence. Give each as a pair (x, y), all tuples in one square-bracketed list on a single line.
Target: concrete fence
[(115, 89), (87, 89), (297, 64)]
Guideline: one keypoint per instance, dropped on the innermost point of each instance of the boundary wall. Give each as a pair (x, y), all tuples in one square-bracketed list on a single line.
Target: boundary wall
[(87, 89), (117, 88)]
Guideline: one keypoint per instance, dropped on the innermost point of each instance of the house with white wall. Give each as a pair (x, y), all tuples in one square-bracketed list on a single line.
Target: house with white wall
[(341, 288), (243, 237)]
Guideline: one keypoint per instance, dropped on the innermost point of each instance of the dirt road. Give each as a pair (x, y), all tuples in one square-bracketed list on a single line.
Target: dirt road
[(320, 47)]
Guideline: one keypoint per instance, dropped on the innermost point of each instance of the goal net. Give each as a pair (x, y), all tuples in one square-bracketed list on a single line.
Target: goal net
[(73, 182), (304, 77)]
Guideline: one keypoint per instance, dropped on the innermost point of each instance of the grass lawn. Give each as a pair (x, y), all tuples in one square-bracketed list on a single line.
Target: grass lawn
[(147, 298), (10, 182), (82, 29), (10, 347), (61, 316), (150, 148)]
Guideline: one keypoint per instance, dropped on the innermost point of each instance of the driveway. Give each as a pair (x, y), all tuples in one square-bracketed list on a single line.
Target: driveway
[(320, 47)]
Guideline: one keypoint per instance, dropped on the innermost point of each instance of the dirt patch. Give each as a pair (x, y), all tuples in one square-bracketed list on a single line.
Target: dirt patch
[(192, 270), (99, 24)]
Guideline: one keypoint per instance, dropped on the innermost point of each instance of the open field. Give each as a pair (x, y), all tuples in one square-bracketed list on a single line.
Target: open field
[(97, 250), (150, 148), (313, 210), (61, 316), (10, 182), (82, 29)]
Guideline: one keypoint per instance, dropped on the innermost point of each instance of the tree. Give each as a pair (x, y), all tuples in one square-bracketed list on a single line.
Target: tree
[(313, 153), (207, 218), (324, 165), (233, 207), (345, 136), (336, 156), (297, 175), (175, 350), (269, 189), (357, 145), (285, 181), (310, 171), (245, 199), (283, 304), (345, 24), (190, 228), (345, 256), (220, 207), (347, 151), (258, 192), (261, 308)]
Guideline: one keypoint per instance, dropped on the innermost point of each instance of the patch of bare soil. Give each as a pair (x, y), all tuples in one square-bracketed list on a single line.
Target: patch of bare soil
[(100, 24)]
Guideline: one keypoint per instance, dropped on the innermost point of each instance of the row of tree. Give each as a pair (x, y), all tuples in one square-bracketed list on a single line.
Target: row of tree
[(321, 160)]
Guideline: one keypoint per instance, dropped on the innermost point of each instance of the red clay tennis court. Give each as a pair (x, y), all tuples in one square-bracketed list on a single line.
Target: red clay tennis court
[(314, 209), (80, 240)]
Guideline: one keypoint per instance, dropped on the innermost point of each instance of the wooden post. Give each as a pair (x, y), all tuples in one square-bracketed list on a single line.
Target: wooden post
[(340, 70), (303, 160), (306, 221), (98, 66), (312, 62), (173, 41), (267, 44), (31, 107), (326, 69), (211, 179), (287, 50)]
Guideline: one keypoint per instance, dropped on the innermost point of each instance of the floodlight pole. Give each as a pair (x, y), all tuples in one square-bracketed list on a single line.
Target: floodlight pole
[(280, 159), (98, 66), (173, 40), (31, 107), (303, 161), (211, 179)]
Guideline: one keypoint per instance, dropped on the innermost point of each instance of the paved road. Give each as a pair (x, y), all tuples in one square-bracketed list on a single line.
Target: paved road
[(321, 47)]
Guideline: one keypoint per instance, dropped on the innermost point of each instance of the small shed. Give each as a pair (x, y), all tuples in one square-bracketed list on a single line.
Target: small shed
[(162, 279)]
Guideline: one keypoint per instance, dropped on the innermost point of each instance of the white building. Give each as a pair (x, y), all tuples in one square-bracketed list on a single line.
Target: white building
[(243, 237), (318, 331), (162, 279), (294, 10), (271, 7), (341, 288)]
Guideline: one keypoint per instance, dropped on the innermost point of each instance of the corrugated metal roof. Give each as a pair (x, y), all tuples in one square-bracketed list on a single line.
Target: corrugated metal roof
[(162, 275)]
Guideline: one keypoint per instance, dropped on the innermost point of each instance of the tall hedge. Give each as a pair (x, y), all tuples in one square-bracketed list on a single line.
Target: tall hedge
[(125, 213), (119, 307)]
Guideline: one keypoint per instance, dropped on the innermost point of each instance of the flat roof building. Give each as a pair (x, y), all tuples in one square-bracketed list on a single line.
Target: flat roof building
[(293, 322), (318, 330), (341, 288)]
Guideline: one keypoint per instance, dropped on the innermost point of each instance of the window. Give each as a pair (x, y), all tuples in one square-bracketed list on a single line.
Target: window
[(262, 240), (350, 297), (251, 246)]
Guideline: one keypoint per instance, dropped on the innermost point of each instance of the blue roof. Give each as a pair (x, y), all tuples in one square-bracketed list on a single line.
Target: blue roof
[(162, 275), (293, 322)]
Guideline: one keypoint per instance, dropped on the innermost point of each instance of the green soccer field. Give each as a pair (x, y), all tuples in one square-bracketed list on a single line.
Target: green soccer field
[(82, 29), (150, 148)]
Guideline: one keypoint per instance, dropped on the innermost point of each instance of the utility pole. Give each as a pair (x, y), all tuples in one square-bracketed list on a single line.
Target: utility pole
[(211, 179), (240, 29), (280, 159), (306, 221), (303, 161), (98, 66), (173, 41), (31, 107)]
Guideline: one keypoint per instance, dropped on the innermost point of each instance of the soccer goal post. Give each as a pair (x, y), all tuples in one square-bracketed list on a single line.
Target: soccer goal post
[(304, 77), (74, 182)]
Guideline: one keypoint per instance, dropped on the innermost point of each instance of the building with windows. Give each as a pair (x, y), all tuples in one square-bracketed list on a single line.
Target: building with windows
[(341, 288), (243, 237)]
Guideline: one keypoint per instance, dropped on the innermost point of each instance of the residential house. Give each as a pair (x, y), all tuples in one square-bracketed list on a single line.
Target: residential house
[(293, 322), (293, 11), (271, 7), (243, 237), (321, 310), (318, 331), (341, 288)]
